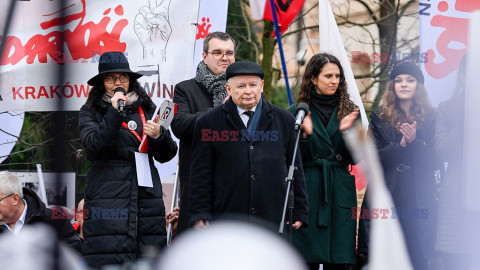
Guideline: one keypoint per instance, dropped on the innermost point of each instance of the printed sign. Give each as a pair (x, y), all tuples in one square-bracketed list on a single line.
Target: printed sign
[(167, 110), (157, 36), (444, 38)]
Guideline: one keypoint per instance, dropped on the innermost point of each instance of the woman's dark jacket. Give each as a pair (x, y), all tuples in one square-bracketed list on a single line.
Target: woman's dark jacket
[(416, 163), (123, 218)]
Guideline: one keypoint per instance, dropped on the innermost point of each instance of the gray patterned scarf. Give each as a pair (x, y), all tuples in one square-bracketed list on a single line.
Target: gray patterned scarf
[(215, 84)]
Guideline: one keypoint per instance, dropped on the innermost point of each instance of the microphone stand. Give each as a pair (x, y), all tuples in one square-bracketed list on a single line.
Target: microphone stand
[(289, 195)]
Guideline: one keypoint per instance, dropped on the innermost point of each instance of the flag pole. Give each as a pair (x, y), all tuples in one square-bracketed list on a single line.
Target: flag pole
[(280, 47)]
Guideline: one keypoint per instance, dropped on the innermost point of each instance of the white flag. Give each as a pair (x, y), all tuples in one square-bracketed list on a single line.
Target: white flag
[(331, 42), (212, 17), (387, 249), (257, 7)]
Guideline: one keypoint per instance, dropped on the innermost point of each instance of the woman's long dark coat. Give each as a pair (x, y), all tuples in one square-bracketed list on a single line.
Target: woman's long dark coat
[(123, 218), (330, 236)]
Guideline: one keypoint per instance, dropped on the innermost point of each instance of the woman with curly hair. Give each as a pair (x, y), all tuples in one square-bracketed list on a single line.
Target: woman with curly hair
[(404, 130), (330, 237), (122, 217)]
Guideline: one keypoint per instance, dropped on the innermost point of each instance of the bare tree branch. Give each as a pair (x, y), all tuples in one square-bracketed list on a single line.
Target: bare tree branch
[(248, 38), (299, 30), (300, 16), (24, 142), (369, 10)]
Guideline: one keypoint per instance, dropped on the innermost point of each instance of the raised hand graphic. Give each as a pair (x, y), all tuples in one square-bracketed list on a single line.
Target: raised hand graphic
[(152, 26)]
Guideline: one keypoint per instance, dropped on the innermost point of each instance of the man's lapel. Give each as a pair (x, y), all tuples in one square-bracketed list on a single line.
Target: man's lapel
[(266, 117), (232, 114), (234, 119)]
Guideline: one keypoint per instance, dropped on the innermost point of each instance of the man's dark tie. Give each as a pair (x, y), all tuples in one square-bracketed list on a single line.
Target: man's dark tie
[(250, 116)]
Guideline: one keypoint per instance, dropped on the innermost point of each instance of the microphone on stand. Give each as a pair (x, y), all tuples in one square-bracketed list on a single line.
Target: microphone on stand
[(300, 113), (121, 103)]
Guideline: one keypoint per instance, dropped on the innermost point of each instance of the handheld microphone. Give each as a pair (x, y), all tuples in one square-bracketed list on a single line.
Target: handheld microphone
[(121, 103), (300, 113)]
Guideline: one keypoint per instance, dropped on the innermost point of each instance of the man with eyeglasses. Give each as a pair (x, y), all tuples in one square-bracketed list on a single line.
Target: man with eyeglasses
[(21, 207), (196, 96)]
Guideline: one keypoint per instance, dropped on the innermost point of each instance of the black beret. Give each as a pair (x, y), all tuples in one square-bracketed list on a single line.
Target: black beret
[(407, 68), (244, 68)]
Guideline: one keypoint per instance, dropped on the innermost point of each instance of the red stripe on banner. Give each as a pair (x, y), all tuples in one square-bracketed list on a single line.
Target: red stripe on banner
[(175, 109)]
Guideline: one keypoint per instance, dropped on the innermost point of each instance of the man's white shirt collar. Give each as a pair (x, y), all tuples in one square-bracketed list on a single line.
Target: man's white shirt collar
[(243, 116)]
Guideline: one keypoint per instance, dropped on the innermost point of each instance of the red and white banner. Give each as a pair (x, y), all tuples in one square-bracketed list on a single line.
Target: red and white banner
[(444, 38), (212, 17), (157, 36)]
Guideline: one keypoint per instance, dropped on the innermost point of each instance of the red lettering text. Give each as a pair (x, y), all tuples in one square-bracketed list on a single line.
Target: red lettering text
[(41, 46)]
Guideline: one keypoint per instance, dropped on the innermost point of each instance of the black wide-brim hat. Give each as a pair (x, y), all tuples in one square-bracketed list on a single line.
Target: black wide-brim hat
[(111, 62)]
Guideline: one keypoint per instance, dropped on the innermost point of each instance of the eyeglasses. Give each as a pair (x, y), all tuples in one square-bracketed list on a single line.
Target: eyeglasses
[(111, 79), (6, 197), (217, 55)]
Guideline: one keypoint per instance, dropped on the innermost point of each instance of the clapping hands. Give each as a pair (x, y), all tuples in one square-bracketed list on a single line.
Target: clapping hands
[(409, 132)]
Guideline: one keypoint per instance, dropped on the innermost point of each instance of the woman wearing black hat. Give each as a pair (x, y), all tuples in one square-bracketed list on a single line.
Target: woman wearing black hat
[(404, 130), (122, 217)]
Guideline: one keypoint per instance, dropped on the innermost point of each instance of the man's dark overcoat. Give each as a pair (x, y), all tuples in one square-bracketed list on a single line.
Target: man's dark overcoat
[(193, 100), (244, 175)]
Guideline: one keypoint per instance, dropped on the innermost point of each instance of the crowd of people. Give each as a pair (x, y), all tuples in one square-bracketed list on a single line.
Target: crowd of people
[(234, 154)]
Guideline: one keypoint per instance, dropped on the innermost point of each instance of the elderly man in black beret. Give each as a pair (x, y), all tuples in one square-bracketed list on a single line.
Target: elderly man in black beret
[(241, 153)]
